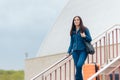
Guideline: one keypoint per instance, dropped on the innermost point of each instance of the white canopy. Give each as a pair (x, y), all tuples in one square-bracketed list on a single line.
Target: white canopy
[(97, 15)]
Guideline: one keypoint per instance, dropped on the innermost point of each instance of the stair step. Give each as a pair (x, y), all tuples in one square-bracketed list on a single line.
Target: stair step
[(111, 67)]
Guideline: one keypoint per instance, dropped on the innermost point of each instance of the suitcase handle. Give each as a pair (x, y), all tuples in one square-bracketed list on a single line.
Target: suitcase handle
[(96, 69)]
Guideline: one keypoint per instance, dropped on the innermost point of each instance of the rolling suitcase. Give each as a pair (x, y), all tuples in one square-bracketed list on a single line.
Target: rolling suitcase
[(89, 70)]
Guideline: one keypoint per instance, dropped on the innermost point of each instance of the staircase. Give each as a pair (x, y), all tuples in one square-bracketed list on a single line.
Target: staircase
[(110, 72), (107, 52)]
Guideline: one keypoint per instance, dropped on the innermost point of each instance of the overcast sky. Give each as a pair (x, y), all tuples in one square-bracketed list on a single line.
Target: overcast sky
[(23, 26)]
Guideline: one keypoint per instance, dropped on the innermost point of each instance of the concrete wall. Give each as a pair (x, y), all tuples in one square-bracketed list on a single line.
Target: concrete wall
[(36, 65)]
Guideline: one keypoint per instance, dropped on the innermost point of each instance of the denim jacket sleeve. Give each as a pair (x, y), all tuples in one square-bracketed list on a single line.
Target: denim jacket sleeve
[(71, 45), (88, 36)]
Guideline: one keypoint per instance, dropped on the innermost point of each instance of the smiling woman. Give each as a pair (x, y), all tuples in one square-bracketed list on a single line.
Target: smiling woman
[(78, 34)]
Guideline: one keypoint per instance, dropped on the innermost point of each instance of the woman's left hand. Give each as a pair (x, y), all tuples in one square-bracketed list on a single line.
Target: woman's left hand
[(83, 34)]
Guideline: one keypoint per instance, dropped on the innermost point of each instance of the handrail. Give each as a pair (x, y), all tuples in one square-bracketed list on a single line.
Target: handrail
[(113, 69), (105, 31), (104, 68), (102, 45), (111, 74), (50, 67)]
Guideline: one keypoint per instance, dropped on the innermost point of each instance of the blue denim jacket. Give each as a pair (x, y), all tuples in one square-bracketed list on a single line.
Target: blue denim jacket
[(76, 41)]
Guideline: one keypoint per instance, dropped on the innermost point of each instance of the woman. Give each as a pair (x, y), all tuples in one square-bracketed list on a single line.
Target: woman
[(78, 32)]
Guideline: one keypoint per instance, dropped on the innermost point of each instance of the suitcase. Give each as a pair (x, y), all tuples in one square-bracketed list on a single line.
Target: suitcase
[(89, 70)]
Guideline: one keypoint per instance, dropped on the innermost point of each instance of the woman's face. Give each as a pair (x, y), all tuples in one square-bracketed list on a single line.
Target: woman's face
[(77, 21)]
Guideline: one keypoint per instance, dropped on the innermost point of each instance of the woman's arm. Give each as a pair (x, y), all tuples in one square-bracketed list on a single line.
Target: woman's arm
[(88, 35), (71, 45)]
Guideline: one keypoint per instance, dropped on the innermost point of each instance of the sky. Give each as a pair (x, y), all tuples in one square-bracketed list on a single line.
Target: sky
[(23, 26)]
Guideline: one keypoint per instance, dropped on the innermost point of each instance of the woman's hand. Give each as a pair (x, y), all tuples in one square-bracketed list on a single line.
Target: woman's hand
[(68, 54), (83, 34)]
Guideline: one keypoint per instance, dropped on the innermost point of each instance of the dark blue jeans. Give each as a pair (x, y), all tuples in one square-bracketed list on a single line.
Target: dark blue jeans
[(79, 57)]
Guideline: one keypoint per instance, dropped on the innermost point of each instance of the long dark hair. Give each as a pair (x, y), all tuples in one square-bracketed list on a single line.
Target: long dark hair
[(73, 28)]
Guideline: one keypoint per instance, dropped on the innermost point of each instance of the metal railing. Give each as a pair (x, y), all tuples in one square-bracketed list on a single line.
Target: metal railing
[(114, 74), (108, 69), (60, 70), (106, 47)]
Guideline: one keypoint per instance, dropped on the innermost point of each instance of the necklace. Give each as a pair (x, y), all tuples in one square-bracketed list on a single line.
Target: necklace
[(77, 29)]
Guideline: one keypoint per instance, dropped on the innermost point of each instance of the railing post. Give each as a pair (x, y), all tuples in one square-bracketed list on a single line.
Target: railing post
[(116, 41), (69, 69), (60, 73), (106, 48), (43, 77), (119, 71), (55, 74), (65, 71)]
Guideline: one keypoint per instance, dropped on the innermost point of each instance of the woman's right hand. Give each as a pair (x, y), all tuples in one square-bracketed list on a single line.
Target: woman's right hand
[(83, 34), (68, 54)]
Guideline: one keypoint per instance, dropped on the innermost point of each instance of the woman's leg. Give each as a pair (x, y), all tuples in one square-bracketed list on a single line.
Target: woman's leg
[(75, 56), (80, 62)]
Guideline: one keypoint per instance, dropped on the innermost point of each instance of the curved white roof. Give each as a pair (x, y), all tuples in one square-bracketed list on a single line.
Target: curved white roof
[(97, 15)]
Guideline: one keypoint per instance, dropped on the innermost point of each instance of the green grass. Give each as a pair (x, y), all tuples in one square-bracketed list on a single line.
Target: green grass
[(11, 75)]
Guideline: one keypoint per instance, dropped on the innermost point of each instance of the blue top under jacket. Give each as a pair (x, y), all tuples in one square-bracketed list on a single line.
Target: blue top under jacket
[(76, 41)]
